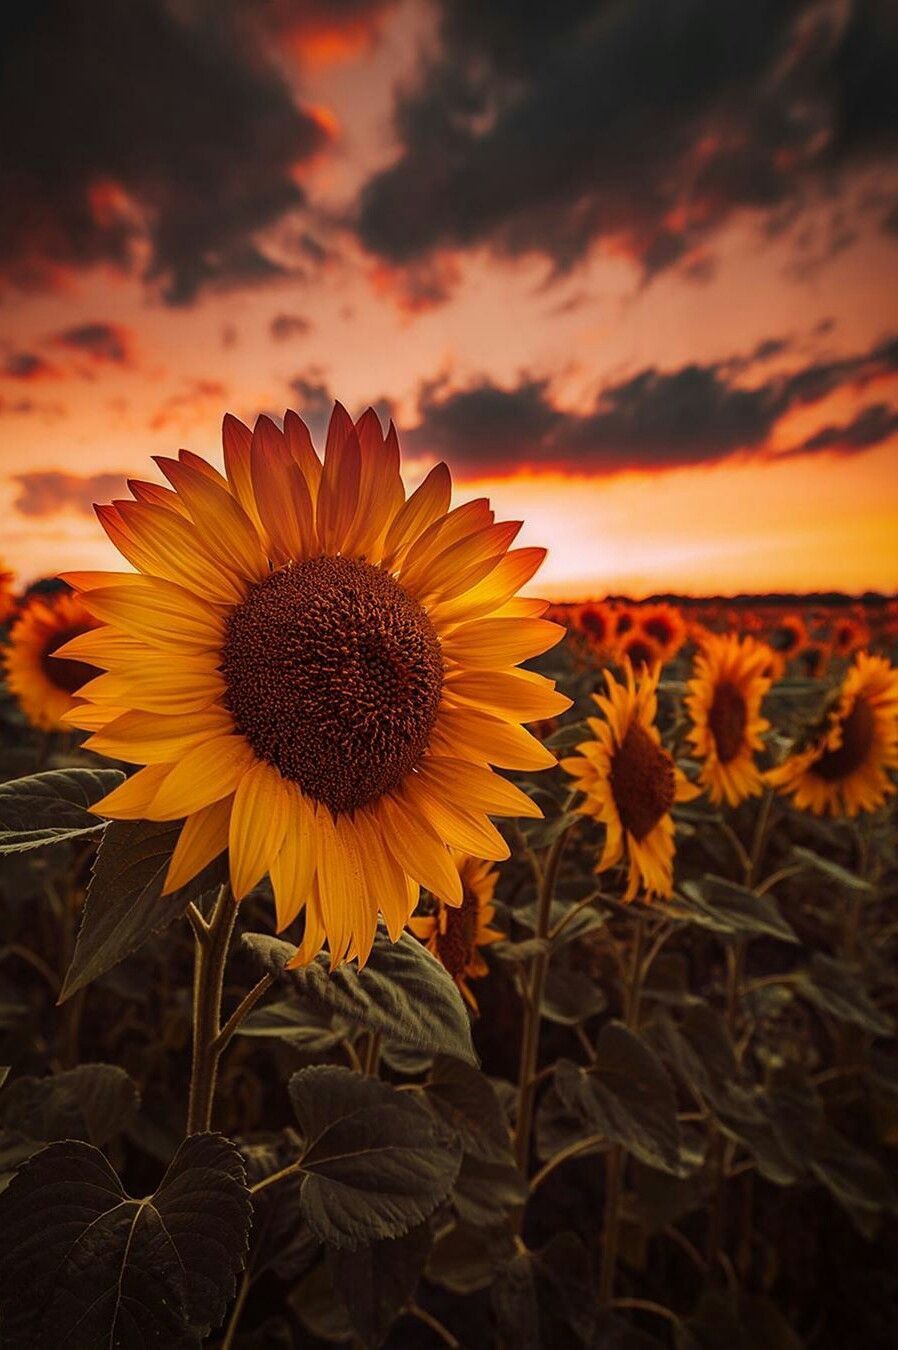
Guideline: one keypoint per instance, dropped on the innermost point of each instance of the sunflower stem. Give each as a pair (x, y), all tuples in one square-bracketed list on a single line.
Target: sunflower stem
[(615, 1159), (533, 1007), (210, 954)]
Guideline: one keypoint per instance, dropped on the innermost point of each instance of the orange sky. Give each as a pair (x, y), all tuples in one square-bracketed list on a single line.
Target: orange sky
[(745, 520)]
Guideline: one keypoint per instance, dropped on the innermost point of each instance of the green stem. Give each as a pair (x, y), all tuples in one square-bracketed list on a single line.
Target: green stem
[(533, 1007), (616, 1158), (372, 1055), (212, 940), (236, 1310), (574, 1150)]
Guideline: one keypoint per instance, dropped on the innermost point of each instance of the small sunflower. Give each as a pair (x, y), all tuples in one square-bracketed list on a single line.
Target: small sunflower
[(317, 674), (44, 683), (849, 634), (665, 625), (596, 622), (624, 621), (630, 783), (455, 934), (639, 650), (788, 636), (724, 702), (843, 767)]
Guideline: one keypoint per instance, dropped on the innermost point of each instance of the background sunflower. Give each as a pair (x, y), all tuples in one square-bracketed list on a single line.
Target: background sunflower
[(724, 702), (630, 782), (45, 683), (455, 934)]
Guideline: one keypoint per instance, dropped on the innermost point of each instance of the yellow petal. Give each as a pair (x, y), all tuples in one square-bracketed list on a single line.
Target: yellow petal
[(395, 893), (237, 442), (419, 850), (427, 503), (163, 544), (299, 443), (510, 694), (257, 828), (500, 643), (131, 800), (338, 495), (511, 573), (148, 738), (282, 495), (381, 493), (203, 837), (340, 884), (488, 739), (190, 686), (103, 647), (207, 773), (227, 532), (462, 829), (293, 871), (159, 613), (156, 495), (476, 788), (314, 936)]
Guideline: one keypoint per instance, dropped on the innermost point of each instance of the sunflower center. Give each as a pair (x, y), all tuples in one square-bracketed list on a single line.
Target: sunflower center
[(334, 676), (640, 653), (858, 730), (642, 782), (456, 947), (727, 718), (659, 628), (594, 623), (59, 670)]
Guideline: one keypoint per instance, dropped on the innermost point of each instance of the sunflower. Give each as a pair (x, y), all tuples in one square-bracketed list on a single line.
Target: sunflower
[(630, 783), (624, 621), (596, 622), (665, 625), (455, 934), (848, 634), (44, 683), (638, 650), (843, 767), (788, 636), (7, 595), (317, 673), (724, 702)]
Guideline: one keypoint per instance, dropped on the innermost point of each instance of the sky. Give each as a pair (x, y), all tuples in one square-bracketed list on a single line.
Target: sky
[(629, 266)]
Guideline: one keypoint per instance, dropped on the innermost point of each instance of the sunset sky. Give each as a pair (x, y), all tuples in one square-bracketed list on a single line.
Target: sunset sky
[(630, 267)]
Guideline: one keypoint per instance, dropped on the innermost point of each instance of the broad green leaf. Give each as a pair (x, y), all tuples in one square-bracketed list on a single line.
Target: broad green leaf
[(486, 1190), (853, 1177), (466, 1101), (570, 997), (403, 992), (92, 1102), (547, 1298), (125, 905), (469, 1257), (374, 1162), (82, 1263), (375, 1283), (287, 1020), (837, 988), (279, 1240), (737, 1321), (625, 1096), (729, 909), (48, 808), (831, 870)]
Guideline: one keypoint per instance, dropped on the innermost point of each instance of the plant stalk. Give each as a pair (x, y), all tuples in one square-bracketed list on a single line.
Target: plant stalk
[(211, 942)]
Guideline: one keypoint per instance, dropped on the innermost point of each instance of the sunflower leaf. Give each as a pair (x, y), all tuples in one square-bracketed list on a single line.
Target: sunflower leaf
[(374, 1163), (92, 1102), (836, 988), (403, 992), (125, 905), (83, 1263), (730, 910), (49, 808), (831, 870), (626, 1096), (375, 1282)]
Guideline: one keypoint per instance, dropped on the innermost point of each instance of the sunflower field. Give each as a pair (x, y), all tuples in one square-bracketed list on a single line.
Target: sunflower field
[(390, 958)]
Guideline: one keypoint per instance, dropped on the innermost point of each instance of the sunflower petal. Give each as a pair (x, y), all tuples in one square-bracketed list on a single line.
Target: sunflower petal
[(258, 825), (203, 837)]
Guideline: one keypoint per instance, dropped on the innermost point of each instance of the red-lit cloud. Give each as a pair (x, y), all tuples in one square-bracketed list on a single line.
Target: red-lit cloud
[(51, 491)]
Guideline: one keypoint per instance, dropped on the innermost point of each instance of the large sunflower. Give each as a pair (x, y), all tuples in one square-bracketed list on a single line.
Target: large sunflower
[(630, 783), (843, 767), (724, 702), (317, 673), (44, 683), (456, 934)]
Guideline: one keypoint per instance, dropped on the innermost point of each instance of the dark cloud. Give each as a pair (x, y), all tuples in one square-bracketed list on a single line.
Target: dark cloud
[(696, 414), (285, 326), (28, 366), (639, 124), (313, 400), (50, 492), (109, 343), (151, 131), (872, 426)]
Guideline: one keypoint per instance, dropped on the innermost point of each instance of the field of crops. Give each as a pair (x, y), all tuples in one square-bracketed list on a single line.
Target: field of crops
[(634, 1084)]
